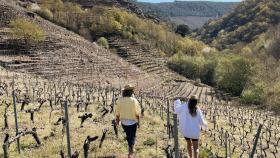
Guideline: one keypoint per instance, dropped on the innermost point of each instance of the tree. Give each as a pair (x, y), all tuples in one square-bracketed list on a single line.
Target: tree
[(183, 30), (232, 74)]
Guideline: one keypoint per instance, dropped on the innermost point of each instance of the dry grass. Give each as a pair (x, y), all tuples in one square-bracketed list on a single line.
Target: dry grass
[(152, 128)]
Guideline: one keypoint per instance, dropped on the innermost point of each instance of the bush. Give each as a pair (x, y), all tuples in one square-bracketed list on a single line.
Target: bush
[(45, 13), (183, 30), (149, 142), (207, 75), (272, 98), (103, 42), (232, 73), (253, 95), (186, 65), (29, 32)]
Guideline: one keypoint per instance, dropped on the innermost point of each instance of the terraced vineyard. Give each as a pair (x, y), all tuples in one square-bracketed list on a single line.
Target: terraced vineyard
[(144, 57), (63, 55)]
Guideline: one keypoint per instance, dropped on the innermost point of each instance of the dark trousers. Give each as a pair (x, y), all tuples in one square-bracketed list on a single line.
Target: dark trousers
[(130, 132)]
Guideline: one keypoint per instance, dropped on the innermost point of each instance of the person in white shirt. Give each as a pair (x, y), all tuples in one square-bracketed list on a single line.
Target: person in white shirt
[(191, 120)]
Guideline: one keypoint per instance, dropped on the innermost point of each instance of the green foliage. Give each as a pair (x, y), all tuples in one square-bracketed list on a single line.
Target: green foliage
[(186, 65), (205, 153), (183, 30), (149, 142), (207, 74), (45, 13), (107, 21), (253, 95), (195, 67), (69, 15), (27, 31), (272, 97), (232, 74), (250, 19), (103, 42)]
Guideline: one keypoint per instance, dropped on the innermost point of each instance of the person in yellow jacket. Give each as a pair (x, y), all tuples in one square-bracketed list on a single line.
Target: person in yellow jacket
[(127, 112)]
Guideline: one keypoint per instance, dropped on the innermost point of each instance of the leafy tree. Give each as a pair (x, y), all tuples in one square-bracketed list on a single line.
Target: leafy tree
[(183, 30), (232, 74)]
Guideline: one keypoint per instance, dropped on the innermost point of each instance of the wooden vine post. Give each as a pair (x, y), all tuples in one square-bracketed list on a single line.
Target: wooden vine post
[(168, 120), (176, 139), (67, 129), (256, 141), (226, 144), (5, 150), (15, 113)]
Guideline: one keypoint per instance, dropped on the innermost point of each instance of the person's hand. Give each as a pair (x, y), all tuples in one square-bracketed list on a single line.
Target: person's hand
[(138, 125)]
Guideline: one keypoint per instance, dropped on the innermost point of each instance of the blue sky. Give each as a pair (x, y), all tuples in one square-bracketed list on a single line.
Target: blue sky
[(157, 1)]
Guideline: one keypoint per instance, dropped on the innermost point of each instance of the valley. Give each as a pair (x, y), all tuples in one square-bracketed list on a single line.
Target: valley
[(86, 56)]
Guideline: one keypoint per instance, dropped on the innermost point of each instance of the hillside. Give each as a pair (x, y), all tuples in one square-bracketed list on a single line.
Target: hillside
[(252, 32), (62, 58), (62, 55), (250, 19), (194, 14), (129, 5)]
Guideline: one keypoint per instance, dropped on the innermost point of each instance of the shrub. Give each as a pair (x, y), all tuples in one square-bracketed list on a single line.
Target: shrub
[(232, 73), (29, 32), (254, 95), (207, 75), (45, 13), (103, 42), (187, 65), (273, 99), (149, 142), (183, 30)]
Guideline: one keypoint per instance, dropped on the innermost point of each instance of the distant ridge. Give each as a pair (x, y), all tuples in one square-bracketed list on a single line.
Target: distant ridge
[(192, 13), (250, 19)]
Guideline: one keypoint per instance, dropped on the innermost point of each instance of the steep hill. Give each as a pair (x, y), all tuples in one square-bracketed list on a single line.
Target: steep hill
[(63, 54), (194, 14), (68, 56), (243, 25), (129, 5)]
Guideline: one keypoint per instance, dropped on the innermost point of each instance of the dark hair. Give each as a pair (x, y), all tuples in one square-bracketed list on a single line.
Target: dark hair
[(127, 93), (193, 107)]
